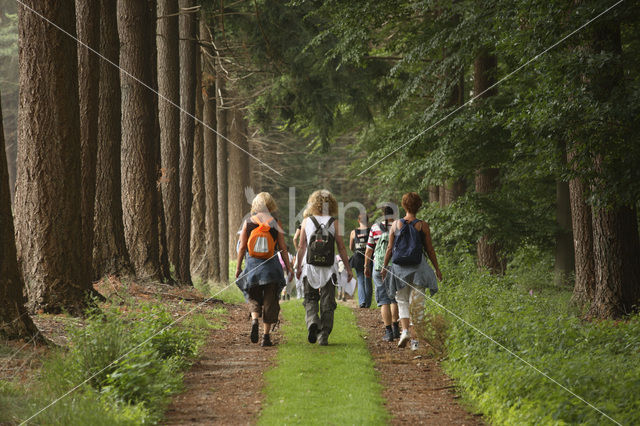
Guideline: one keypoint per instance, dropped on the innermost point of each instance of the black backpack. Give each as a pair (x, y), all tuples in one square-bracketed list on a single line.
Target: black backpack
[(321, 250)]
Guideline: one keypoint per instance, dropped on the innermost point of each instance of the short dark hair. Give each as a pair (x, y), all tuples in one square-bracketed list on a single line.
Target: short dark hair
[(411, 202), (387, 210)]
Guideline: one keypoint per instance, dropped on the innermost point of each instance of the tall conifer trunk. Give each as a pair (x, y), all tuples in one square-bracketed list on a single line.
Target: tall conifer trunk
[(238, 175), (223, 208)]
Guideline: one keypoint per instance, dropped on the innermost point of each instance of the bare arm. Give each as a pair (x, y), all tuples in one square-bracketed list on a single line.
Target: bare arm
[(243, 249), (387, 255), (352, 244), (342, 250), (296, 238), (428, 246), (283, 248), (302, 248), (368, 257)]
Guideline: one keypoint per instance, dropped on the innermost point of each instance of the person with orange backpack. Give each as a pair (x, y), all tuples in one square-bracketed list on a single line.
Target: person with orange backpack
[(261, 240)]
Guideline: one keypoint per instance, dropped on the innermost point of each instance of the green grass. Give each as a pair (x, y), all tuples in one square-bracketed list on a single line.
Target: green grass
[(312, 384)]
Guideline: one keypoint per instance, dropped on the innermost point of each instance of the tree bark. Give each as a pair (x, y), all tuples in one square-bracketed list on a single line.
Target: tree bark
[(210, 167), (110, 256), (138, 136), (14, 320), (223, 215), (564, 257), (188, 27), (198, 230), (487, 178), (442, 196), (585, 284), (616, 244), (169, 89), (434, 194), (238, 176), (48, 210), (88, 23)]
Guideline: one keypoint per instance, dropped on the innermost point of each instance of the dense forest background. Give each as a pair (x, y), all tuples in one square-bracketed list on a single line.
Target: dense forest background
[(517, 121)]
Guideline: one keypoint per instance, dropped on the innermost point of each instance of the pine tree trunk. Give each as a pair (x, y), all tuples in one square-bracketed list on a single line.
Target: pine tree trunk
[(88, 22), (442, 196), (210, 167), (110, 256), (221, 156), (188, 27), (48, 210), (169, 89), (14, 320), (165, 268), (198, 231), (238, 176), (585, 284), (139, 166), (487, 178)]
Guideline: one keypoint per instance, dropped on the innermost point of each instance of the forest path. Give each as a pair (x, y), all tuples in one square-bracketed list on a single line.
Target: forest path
[(415, 388), (224, 386)]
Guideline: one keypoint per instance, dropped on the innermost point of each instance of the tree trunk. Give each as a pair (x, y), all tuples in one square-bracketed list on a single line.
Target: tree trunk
[(487, 178), (138, 137), (169, 89), (198, 231), (584, 287), (188, 27), (88, 23), (14, 320), (210, 168), (165, 268), (238, 176), (110, 256), (223, 211), (434, 194), (487, 181), (48, 210), (616, 245), (564, 262), (442, 197), (453, 189)]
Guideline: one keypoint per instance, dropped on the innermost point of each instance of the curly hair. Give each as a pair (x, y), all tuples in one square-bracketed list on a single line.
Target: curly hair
[(262, 203), (322, 203), (411, 202)]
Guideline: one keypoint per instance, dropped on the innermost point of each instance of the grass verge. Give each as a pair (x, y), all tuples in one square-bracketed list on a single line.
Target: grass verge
[(312, 384), (529, 315), (134, 390)]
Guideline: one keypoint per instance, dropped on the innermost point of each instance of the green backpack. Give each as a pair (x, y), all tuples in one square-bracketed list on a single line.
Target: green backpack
[(381, 248)]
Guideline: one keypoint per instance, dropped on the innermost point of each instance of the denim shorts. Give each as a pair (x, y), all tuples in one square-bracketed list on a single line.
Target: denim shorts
[(382, 296)]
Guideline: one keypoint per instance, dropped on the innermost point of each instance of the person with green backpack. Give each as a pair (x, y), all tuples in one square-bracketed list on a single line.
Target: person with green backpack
[(374, 259)]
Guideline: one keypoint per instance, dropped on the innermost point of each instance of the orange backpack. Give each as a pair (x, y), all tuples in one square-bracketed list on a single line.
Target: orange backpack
[(261, 243)]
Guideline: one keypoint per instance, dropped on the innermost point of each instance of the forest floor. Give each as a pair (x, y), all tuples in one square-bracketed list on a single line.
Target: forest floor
[(226, 385)]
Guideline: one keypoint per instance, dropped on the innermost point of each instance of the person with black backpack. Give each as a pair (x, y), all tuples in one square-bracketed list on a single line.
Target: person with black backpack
[(410, 274), (358, 245), (320, 234), (374, 260), (261, 239)]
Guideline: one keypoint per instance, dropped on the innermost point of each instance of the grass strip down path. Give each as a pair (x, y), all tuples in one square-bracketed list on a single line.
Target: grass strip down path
[(313, 384)]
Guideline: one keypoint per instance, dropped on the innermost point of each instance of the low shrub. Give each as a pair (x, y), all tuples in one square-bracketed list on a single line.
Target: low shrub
[(597, 360)]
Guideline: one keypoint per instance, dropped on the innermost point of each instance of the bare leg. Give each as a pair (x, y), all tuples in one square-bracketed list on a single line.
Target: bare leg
[(266, 328), (255, 315), (394, 312), (404, 322), (385, 311)]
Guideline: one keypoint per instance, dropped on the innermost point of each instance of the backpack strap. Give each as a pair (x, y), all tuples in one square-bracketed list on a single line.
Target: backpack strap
[(331, 220), (315, 222)]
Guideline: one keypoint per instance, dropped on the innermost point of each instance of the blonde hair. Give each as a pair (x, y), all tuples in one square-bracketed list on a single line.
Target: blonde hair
[(263, 203), (322, 203)]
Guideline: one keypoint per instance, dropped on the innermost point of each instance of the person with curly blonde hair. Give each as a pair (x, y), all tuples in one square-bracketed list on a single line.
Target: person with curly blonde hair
[(409, 239), (320, 229), (263, 277)]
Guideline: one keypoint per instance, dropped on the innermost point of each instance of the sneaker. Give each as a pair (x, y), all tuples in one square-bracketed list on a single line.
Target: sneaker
[(396, 330), (312, 337), (388, 335), (254, 332), (404, 338), (266, 340), (323, 340), (414, 345)]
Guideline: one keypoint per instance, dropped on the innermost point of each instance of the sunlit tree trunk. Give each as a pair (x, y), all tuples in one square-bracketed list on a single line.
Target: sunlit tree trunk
[(238, 175), (139, 168)]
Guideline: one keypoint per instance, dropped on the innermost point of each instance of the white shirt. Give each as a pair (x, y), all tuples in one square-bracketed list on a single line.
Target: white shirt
[(317, 276)]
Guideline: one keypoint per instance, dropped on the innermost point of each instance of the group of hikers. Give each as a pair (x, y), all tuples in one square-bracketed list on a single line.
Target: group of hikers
[(389, 255)]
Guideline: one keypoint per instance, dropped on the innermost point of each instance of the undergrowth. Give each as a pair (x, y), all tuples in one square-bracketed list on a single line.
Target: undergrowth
[(149, 356), (599, 361)]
